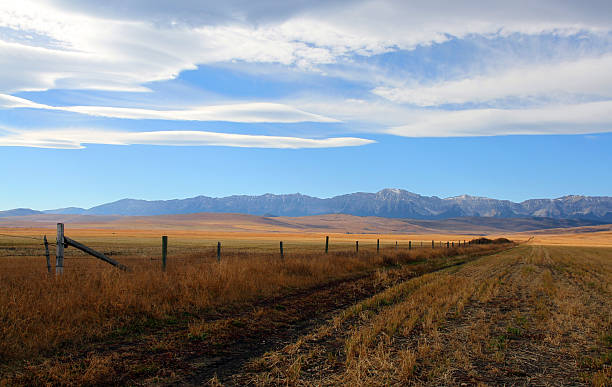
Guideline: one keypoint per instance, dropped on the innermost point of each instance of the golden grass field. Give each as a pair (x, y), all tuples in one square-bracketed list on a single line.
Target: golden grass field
[(395, 317), (538, 315), (597, 238)]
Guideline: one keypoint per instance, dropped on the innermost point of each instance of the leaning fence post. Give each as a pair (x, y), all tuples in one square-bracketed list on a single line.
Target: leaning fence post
[(377, 246), (59, 256), (218, 251), (47, 254), (326, 244), (164, 251), (281, 250), (356, 246)]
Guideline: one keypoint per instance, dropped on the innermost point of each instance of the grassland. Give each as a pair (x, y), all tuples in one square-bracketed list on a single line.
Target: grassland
[(536, 315), (425, 316)]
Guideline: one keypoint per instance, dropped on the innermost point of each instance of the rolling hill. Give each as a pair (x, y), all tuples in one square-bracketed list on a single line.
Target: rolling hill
[(333, 223)]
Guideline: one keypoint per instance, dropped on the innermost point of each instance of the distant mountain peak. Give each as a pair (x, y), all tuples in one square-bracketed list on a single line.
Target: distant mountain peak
[(396, 191), (388, 202), (19, 212), (571, 197), (468, 197)]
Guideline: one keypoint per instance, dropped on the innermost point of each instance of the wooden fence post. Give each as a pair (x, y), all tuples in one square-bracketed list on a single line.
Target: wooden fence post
[(447, 244), (453, 244), (432, 245), (281, 250), (47, 254), (90, 251), (409, 245), (377, 246), (356, 247), (164, 251), (59, 255), (218, 251), (326, 244), (396, 245)]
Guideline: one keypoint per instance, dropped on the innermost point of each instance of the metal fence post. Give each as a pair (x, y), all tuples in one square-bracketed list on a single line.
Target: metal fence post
[(164, 251), (47, 254), (59, 256)]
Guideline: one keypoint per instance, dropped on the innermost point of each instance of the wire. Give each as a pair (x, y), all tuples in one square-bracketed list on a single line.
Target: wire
[(39, 239), (21, 236)]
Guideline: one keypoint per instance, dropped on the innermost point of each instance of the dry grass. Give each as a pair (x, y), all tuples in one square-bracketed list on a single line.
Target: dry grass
[(587, 239), (533, 315), (42, 314)]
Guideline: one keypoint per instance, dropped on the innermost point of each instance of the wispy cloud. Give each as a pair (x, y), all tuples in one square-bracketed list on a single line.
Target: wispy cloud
[(586, 77), (594, 117), (77, 138), (158, 42), (240, 112), (58, 44)]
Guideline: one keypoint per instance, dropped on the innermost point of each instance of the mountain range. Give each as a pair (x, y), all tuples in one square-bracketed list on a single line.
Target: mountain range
[(389, 203)]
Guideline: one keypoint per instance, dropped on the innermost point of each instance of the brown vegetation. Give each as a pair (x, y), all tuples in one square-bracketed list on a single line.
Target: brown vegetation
[(535, 314), (41, 314), (487, 241), (425, 316)]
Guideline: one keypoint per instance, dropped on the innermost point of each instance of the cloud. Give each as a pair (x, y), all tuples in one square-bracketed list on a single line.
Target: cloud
[(197, 13), (75, 138), (589, 76), (121, 46), (594, 117), (125, 45), (245, 112)]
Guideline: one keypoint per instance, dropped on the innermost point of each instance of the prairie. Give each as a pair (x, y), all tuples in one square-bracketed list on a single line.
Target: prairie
[(536, 314), (306, 318)]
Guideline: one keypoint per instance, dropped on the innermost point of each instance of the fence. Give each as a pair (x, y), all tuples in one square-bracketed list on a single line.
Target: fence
[(342, 245)]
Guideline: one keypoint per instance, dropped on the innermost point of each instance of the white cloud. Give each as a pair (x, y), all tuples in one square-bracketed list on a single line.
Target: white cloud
[(590, 76), (359, 114), (245, 112), (594, 117), (76, 138), (121, 46)]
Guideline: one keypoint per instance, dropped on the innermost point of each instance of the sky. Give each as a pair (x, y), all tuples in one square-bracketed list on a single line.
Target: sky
[(151, 99)]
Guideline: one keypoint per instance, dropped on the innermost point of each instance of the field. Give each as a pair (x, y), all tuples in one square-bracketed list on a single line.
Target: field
[(537, 312)]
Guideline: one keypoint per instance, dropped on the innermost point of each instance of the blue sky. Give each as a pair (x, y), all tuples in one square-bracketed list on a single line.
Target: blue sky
[(145, 100)]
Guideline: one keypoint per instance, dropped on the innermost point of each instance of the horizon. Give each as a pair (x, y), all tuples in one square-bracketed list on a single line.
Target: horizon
[(506, 101), (296, 193)]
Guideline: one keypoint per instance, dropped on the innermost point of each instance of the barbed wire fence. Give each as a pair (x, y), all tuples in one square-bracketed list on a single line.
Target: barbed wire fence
[(388, 245), (39, 239)]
